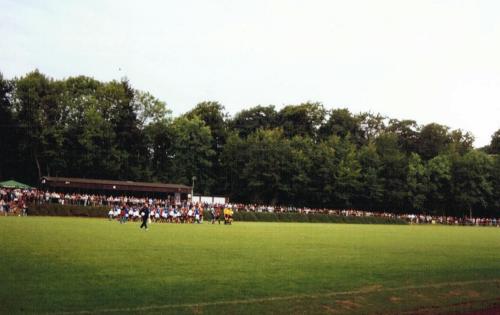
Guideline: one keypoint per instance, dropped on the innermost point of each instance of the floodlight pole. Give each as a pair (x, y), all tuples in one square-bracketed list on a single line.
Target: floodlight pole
[(192, 188)]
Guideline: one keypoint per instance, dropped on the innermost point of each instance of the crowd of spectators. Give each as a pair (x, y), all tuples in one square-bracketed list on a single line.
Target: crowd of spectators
[(94, 200), (159, 213), (16, 201), (410, 218), (128, 208)]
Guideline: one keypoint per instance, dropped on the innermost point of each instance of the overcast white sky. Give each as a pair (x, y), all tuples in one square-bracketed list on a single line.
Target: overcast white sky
[(432, 61)]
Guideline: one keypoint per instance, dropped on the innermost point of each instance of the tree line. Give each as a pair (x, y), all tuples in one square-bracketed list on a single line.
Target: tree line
[(303, 155)]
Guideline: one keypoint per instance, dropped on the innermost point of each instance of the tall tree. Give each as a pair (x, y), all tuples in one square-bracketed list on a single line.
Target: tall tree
[(495, 197), (267, 170), (347, 173), (8, 130), (40, 118), (432, 140), (394, 170), (417, 181), (371, 191), (323, 171), (440, 180), (299, 169), (258, 117), (233, 160), (372, 125), (79, 98), (495, 143), (149, 109), (99, 155), (214, 117), (302, 120), (472, 185), (192, 153), (407, 132), (118, 97), (342, 123), (161, 145), (461, 142)]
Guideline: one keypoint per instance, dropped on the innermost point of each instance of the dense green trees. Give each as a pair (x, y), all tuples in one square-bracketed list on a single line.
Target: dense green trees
[(8, 130), (213, 116), (249, 120), (494, 146), (472, 182), (300, 155)]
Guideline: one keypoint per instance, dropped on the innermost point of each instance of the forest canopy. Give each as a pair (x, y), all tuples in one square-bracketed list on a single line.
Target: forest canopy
[(302, 154)]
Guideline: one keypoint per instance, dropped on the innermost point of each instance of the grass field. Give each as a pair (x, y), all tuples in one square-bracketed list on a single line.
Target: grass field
[(77, 266)]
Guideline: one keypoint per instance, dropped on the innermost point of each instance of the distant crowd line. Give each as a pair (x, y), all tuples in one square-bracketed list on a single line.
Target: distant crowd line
[(131, 208), (193, 213)]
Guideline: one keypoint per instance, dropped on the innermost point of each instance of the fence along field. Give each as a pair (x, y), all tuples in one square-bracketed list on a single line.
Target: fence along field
[(79, 265)]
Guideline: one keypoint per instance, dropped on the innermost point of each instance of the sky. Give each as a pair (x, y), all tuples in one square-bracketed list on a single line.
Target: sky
[(430, 61)]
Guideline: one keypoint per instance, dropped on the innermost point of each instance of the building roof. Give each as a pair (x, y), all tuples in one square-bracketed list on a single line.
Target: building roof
[(104, 184)]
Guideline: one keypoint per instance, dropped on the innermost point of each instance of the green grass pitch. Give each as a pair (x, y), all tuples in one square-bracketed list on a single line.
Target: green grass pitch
[(77, 266)]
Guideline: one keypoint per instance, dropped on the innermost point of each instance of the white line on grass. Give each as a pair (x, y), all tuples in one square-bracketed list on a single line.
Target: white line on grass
[(280, 298)]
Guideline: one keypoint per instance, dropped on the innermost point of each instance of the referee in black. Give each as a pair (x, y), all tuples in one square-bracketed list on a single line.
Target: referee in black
[(145, 216)]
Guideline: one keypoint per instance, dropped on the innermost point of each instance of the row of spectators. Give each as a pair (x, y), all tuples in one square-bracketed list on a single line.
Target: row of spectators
[(93, 200), (171, 214), (410, 218), (157, 213), (165, 210)]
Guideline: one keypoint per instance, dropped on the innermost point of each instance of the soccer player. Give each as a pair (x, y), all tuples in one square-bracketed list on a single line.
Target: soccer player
[(145, 216), (197, 214), (123, 213), (218, 214), (157, 214), (212, 214)]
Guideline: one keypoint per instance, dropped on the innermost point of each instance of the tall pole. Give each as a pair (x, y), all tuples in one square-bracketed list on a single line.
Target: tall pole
[(192, 188)]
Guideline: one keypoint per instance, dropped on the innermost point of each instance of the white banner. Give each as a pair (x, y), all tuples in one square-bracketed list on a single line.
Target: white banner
[(209, 199)]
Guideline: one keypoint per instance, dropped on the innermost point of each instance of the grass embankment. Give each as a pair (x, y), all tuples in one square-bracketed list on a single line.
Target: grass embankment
[(52, 264)]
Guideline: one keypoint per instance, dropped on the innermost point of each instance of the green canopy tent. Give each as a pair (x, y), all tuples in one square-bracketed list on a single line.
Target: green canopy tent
[(14, 184)]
